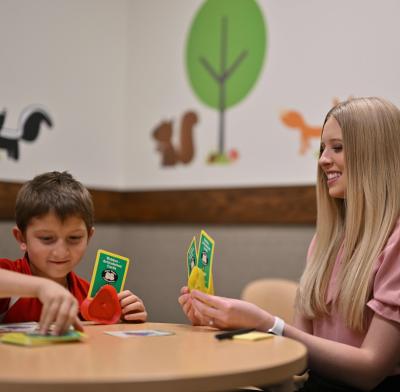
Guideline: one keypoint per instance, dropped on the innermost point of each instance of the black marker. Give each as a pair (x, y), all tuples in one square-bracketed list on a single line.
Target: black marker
[(231, 334)]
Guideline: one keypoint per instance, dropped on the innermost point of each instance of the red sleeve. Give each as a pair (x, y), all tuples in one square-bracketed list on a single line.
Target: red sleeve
[(21, 266)]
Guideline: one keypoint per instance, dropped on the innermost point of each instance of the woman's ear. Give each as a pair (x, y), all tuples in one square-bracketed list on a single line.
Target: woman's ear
[(17, 233)]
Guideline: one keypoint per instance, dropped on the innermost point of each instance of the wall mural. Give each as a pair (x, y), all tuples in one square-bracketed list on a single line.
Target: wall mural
[(28, 127), (184, 152), (294, 119), (225, 52)]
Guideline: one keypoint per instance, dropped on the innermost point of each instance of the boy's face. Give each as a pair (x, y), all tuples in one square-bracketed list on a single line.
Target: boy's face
[(54, 247)]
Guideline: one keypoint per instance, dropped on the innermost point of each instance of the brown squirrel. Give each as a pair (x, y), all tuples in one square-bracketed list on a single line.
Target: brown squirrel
[(163, 135)]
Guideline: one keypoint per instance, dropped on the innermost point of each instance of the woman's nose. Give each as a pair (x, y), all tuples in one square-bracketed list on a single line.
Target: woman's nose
[(325, 159)]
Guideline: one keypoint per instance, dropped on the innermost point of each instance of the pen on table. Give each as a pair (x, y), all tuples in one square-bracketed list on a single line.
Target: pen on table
[(231, 334)]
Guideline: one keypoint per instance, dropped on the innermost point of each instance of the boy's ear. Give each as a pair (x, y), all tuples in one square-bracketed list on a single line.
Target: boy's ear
[(91, 233), (17, 233)]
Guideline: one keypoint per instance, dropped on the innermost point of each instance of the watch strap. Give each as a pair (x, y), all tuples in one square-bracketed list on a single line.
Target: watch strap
[(278, 327)]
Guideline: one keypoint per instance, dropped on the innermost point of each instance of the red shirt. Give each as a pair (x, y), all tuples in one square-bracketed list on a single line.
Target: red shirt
[(29, 309)]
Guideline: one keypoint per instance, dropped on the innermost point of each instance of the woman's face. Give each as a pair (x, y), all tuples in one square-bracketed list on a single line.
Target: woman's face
[(332, 160)]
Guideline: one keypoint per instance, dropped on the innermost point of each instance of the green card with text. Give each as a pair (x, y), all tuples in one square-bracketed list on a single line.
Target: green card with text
[(111, 269), (205, 257), (191, 256)]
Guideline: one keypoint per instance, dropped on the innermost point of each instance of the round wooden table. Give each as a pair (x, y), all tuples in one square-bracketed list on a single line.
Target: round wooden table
[(190, 360)]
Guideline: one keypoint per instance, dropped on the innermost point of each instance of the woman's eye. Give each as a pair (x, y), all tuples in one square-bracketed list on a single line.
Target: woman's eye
[(338, 148)]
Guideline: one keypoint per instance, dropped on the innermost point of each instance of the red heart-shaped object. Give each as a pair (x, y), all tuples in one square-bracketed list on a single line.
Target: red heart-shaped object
[(104, 307)]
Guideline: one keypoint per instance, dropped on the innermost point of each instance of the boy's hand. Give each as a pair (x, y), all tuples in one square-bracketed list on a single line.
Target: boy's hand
[(59, 307), (132, 307)]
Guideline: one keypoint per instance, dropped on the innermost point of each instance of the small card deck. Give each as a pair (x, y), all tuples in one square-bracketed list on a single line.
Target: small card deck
[(36, 339), (199, 264)]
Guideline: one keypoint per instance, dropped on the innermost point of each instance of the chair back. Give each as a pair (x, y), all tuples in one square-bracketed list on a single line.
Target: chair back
[(277, 296)]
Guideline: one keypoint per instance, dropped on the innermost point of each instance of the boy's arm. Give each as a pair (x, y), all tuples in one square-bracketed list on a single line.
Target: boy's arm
[(59, 305), (14, 283)]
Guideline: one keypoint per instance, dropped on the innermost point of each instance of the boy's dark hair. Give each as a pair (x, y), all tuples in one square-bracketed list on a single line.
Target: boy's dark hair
[(53, 192)]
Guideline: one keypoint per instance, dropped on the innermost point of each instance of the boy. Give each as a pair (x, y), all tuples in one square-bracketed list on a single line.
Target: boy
[(54, 223)]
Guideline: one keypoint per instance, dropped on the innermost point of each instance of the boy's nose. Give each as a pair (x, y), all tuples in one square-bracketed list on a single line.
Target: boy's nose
[(60, 251)]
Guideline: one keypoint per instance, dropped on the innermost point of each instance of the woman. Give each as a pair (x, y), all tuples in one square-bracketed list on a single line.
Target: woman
[(348, 304)]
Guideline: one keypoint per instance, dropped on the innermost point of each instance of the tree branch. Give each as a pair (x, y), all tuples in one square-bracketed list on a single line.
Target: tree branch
[(235, 64), (210, 69)]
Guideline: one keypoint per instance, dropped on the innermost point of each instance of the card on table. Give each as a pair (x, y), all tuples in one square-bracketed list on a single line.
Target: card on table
[(191, 256), (28, 326), (139, 332), (109, 268)]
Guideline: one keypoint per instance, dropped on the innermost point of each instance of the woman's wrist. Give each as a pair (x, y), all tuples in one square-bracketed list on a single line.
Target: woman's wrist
[(266, 322), (278, 327)]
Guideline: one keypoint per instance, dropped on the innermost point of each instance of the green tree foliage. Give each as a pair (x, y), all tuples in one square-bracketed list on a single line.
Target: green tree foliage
[(225, 53)]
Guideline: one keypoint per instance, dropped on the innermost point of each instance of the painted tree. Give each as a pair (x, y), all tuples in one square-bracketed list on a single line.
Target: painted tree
[(224, 54)]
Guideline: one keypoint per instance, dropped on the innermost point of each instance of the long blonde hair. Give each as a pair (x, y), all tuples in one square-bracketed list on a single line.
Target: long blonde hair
[(362, 222)]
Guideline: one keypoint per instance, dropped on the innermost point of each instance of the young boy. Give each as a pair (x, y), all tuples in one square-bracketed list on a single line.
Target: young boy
[(59, 305), (54, 223)]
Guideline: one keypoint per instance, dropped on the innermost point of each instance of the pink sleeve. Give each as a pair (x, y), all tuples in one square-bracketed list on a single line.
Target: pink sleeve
[(311, 247), (385, 299)]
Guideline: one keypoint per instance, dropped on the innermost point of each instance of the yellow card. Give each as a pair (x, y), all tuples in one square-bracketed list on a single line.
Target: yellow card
[(253, 336)]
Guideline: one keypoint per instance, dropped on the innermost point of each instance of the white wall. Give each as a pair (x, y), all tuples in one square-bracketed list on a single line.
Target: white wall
[(110, 71), (70, 56)]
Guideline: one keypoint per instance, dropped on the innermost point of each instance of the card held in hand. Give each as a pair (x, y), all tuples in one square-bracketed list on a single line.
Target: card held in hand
[(109, 268), (191, 257), (205, 257)]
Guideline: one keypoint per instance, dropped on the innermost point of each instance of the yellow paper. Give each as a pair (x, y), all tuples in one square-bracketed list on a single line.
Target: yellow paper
[(254, 335)]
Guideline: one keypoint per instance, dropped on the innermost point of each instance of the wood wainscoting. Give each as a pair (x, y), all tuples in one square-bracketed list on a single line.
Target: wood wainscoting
[(258, 205)]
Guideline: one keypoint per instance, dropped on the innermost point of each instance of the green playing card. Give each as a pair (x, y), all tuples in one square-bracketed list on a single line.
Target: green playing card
[(111, 269), (205, 256), (191, 256)]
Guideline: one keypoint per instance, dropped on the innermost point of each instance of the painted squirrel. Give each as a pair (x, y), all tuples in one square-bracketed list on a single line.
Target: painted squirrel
[(184, 152)]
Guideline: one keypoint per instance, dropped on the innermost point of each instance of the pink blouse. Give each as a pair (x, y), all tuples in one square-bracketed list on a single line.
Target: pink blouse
[(385, 296)]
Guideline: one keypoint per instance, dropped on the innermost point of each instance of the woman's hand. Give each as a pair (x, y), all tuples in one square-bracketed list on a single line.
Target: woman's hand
[(133, 308), (229, 313), (185, 300)]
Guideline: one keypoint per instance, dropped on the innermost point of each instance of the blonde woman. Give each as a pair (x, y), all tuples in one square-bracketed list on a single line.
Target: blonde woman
[(348, 305)]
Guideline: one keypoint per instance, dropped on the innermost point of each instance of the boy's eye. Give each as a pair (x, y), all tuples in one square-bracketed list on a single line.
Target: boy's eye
[(75, 238), (46, 239)]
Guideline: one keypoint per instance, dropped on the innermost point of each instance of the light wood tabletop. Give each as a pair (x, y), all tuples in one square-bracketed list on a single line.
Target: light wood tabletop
[(189, 360)]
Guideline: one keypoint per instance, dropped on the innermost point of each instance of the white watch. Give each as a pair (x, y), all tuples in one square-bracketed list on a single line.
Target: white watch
[(278, 327)]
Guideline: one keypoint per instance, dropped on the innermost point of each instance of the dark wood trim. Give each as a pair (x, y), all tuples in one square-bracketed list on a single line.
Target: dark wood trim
[(266, 205)]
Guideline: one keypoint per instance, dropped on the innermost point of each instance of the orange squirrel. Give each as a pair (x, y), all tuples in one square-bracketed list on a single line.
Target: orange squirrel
[(294, 119), (163, 135)]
